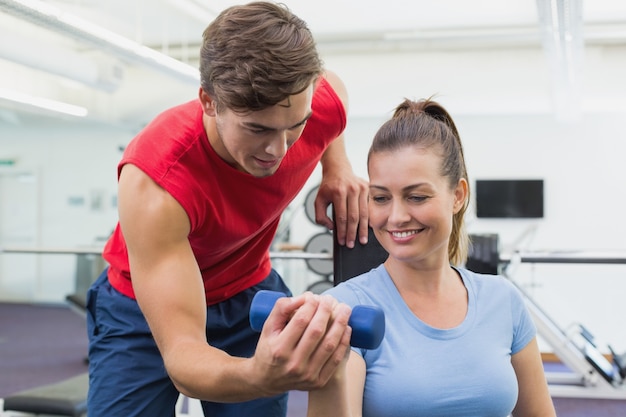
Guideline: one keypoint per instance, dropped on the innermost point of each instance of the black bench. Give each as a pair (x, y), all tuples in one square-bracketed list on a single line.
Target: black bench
[(65, 398)]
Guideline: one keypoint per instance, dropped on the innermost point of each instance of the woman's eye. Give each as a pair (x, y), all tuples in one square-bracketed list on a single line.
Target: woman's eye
[(417, 198), (379, 199)]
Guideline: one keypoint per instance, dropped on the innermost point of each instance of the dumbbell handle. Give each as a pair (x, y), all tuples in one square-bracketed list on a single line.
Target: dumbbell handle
[(367, 322)]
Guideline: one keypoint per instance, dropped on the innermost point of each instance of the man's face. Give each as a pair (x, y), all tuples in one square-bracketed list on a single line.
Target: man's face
[(256, 142)]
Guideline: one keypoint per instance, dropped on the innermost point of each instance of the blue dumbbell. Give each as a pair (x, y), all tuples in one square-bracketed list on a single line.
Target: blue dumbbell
[(367, 322)]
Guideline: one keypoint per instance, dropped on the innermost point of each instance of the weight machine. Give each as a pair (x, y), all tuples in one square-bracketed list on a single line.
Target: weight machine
[(591, 374)]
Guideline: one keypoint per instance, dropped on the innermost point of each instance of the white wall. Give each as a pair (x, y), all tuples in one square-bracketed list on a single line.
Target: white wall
[(70, 202), (502, 103)]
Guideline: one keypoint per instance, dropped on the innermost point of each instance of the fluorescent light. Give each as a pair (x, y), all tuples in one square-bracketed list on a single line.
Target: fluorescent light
[(103, 74), (561, 22), (47, 16), (43, 103)]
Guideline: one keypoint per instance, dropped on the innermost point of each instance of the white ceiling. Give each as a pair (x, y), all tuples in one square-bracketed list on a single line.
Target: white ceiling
[(35, 54)]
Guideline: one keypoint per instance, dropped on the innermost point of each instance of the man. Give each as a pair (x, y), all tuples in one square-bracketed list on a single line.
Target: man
[(201, 192)]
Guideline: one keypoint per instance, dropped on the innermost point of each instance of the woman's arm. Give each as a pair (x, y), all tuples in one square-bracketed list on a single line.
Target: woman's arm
[(343, 395), (534, 397)]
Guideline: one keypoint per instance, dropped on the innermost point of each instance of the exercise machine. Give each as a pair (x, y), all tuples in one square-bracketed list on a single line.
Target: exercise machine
[(591, 374)]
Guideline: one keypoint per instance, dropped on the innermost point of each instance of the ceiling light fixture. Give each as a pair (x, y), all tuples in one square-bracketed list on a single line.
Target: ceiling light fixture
[(42, 103), (102, 74), (561, 22), (52, 18)]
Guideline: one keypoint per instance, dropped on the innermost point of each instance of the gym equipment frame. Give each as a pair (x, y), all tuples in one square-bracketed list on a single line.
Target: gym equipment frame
[(592, 375)]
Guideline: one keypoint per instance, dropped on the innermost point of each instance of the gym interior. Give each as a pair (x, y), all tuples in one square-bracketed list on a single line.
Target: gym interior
[(535, 87)]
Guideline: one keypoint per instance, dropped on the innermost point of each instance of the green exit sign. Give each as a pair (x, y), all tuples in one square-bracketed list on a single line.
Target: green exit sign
[(7, 162)]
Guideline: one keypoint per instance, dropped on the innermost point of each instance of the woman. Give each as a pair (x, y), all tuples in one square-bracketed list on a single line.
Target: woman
[(457, 343)]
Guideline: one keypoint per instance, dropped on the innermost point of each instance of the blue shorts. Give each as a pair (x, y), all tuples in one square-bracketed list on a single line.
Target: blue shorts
[(127, 376)]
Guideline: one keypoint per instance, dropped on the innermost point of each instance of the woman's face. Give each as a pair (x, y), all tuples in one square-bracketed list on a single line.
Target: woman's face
[(411, 205)]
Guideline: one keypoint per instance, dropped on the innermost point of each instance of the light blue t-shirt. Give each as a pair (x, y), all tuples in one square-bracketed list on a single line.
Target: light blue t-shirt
[(419, 370)]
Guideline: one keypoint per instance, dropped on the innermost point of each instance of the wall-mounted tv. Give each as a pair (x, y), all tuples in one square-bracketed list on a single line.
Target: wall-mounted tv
[(509, 199)]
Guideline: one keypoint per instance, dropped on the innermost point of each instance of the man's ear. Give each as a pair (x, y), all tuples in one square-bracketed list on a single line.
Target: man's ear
[(208, 104)]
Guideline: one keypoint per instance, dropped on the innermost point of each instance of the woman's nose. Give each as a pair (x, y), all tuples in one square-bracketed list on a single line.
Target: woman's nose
[(398, 213)]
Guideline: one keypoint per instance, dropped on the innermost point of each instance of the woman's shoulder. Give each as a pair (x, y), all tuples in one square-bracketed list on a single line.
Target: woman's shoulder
[(360, 288), (489, 282)]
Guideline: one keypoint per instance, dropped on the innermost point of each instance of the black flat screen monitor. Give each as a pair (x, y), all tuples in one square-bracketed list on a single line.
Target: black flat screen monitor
[(509, 199)]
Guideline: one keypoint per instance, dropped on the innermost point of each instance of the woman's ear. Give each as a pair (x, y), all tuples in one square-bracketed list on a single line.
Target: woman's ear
[(460, 194), (208, 104)]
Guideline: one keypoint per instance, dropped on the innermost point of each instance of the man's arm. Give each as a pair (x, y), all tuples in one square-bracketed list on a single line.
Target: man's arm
[(341, 187), (169, 289)]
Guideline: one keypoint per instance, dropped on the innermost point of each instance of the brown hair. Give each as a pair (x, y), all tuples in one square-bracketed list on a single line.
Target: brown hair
[(426, 124), (256, 55)]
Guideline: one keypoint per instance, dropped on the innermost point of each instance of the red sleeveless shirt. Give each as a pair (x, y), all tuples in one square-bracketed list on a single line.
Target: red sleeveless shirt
[(233, 215)]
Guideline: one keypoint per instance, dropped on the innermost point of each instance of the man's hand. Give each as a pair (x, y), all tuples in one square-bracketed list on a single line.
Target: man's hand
[(303, 341), (348, 195)]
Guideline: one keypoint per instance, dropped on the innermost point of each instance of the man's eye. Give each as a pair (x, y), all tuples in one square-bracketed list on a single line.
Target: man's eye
[(300, 126)]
